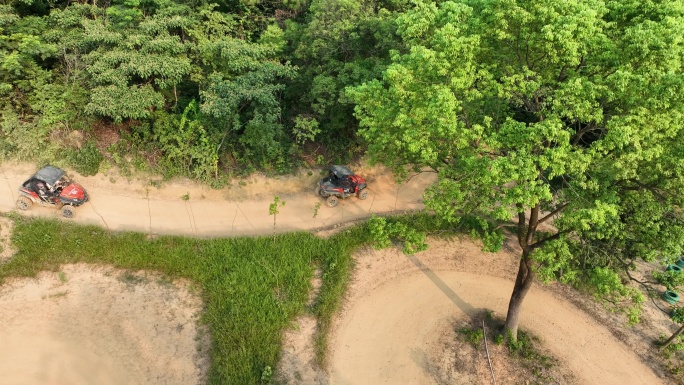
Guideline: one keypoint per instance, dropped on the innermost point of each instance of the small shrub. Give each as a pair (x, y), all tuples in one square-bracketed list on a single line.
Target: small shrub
[(474, 336), (266, 375), (669, 278), (86, 160)]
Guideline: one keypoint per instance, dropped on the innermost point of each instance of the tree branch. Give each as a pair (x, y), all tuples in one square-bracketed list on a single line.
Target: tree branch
[(578, 135), (521, 224), (552, 213), (532, 225), (542, 242)]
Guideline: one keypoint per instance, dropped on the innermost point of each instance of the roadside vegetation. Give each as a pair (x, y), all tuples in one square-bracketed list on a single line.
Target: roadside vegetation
[(202, 89), (252, 287)]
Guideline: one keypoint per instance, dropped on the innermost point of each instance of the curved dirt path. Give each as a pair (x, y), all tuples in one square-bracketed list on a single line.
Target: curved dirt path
[(241, 209), (401, 308)]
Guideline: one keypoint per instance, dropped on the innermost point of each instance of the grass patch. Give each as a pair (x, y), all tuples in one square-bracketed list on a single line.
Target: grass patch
[(131, 279), (252, 287), (673, 357)]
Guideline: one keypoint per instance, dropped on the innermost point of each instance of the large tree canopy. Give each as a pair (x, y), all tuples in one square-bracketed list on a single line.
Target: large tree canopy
[(567, 112)]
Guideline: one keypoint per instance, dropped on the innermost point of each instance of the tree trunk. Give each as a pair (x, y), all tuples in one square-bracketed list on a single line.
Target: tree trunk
[(523, 283), (669, 340)]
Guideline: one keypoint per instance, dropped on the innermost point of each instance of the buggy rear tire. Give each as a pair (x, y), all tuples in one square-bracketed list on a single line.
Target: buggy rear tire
[(318, 192), (363, 194), (24, 203), (68, 211), (331, 201)]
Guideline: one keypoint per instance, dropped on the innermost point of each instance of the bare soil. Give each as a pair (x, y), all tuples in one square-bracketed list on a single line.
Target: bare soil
[(97, 325), (93, 324)]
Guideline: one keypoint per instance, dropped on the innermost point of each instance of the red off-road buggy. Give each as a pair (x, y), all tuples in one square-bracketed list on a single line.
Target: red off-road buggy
[(341, 183), (50, 186)]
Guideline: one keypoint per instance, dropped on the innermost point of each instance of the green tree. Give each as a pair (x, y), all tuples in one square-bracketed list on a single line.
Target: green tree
[(26, 83), (243, 87), (564, 116), (138, 59), (339, 44)]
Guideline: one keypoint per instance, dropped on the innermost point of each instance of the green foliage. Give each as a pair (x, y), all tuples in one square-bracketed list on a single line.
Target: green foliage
[(317, 207), (266, 375), (475, 337), (305, 129), (342, 43), (608, 287), (678, 315), (85, 160), (527, 108), (187, 144), (556, 262), (273, 208), (268, 77), (671, 279), (480, 228), (383, 231)]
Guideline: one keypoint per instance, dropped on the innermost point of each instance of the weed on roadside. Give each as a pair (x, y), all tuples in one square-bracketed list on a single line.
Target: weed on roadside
[(523, 359), (252, 287), (131, 279)]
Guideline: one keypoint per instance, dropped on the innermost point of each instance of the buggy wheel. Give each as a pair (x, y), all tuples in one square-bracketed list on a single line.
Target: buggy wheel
[(318, 191), (68, 211), (331, 201), (24, 203), (363, 194)]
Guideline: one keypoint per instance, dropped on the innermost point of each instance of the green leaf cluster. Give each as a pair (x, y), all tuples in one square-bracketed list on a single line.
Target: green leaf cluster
[(383, 233), (566, 114)]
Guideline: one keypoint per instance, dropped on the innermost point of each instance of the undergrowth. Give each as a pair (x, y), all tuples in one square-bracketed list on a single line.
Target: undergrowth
[(525, 353)]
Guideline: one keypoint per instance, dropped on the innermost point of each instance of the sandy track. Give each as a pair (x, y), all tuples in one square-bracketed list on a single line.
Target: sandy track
[(242, 209), (86, 325), (400, 308)]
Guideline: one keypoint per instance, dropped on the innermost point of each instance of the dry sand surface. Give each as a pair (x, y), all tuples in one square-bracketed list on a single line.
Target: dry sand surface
[(96, 325), (90, 325), (400, 308)]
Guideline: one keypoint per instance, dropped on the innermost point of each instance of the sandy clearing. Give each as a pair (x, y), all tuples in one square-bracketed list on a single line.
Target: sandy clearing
[(85, 325), (400, 308)]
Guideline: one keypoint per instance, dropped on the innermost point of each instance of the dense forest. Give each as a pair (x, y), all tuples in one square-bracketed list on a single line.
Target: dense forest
[(205, 89)]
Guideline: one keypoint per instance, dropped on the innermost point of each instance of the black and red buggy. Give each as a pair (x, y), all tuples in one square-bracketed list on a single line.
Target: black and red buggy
[(51, 186), (341, 183)]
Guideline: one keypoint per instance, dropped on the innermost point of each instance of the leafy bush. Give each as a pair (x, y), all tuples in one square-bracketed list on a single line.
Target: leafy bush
[(382, 231), (86, 160), (474, 336), (669, 278)]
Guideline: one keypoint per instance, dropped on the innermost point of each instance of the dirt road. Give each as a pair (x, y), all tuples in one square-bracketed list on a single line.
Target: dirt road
[(241, 209)]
